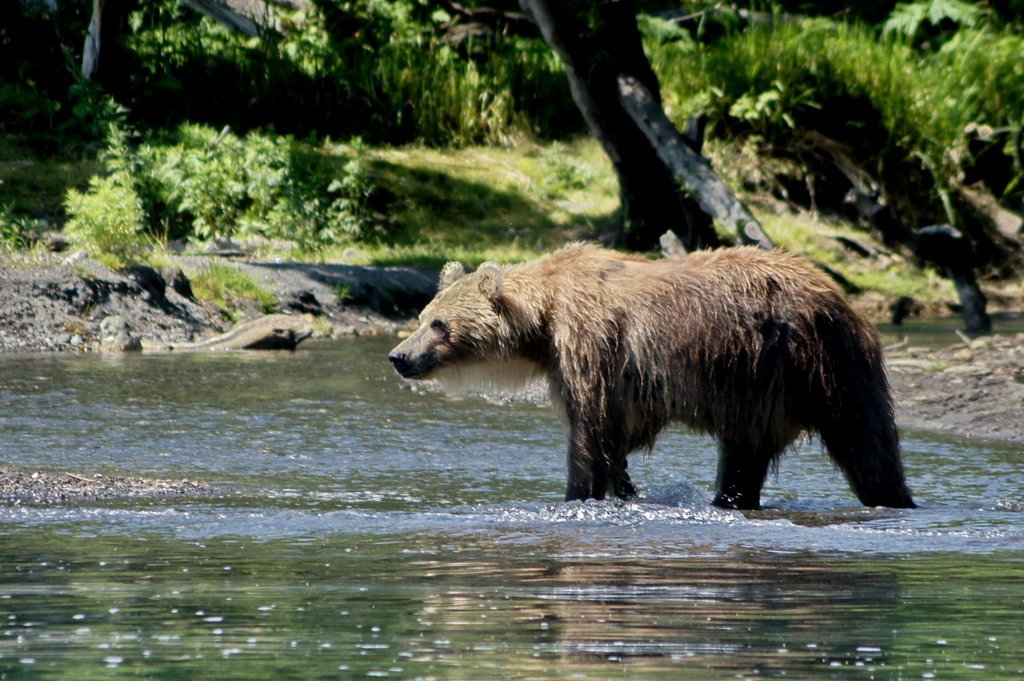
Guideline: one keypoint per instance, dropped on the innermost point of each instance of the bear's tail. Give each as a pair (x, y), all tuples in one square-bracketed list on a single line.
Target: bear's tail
[(856, 421)]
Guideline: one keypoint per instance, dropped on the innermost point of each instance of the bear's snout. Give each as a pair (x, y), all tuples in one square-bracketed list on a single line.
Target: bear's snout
[(411, 364), (400, 360)]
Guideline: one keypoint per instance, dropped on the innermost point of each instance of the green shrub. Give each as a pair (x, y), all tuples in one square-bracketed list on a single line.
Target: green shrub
[(211, 184), (108, 218), (18, 232), (369, 68)]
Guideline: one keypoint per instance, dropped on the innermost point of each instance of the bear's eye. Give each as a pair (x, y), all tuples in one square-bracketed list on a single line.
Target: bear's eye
[(439, 325)]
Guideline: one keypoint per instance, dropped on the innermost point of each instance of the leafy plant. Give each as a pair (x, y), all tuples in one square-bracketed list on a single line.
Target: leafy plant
[(108, 218), (907, 18), (891, 104), (564, 172), (18, 232), (212, 184), (772, 107)]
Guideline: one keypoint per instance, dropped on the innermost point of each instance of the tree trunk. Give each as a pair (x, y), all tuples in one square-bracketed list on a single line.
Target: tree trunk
[(91, 50), (663, 182), (102, 54)]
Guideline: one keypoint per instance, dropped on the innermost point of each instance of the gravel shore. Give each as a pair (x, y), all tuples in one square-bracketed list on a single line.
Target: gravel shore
[(37, 488)]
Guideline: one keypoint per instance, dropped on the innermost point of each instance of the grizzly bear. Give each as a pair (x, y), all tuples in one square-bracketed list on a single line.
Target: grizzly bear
[(753, 347)]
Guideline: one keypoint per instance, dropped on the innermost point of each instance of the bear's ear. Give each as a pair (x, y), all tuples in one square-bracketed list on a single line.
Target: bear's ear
[(450, 273), (491, 276)]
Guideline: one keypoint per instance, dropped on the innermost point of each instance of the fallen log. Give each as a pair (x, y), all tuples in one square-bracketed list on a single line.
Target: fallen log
[(273, 332), (949, 249)]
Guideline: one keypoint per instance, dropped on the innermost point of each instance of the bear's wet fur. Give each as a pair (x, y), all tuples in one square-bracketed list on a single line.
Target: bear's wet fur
[(753, 347)]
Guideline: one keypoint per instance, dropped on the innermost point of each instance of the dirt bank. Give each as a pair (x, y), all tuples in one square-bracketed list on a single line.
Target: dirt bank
[(73, 303), (974, 390)]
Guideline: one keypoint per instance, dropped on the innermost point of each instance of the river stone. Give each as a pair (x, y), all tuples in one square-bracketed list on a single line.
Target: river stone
[(116, 336)]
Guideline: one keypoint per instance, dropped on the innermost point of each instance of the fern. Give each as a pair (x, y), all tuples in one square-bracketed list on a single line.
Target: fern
[(906, 19)]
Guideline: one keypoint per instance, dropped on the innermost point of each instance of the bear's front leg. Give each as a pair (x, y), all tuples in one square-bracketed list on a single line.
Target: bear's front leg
[(588, 476), (742, 468), (596, 463), (622, 486)]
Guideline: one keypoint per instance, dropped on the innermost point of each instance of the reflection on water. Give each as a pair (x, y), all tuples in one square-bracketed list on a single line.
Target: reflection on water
[(363, 530), (942, 332)]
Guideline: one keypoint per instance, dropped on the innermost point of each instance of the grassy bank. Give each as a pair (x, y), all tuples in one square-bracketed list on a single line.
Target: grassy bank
[(425, 206)]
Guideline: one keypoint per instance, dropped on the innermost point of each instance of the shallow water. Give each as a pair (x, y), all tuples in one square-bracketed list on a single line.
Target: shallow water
[(361, 529)]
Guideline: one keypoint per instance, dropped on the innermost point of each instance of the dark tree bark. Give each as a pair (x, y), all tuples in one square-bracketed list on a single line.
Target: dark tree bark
[(663, 183), (103, 50)]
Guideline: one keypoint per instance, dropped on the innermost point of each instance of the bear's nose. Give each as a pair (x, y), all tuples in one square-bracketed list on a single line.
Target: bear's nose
[(400, 360)]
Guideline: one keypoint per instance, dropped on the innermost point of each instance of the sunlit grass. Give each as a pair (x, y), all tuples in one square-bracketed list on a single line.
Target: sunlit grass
[(817, 73), (224, 286), (489, 203), (889, 274)]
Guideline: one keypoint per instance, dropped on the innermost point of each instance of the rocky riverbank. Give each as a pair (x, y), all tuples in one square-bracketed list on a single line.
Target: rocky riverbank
[(55, 303), (973, 389)]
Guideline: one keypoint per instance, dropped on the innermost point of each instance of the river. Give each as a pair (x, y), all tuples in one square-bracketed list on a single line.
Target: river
[(360, 529)]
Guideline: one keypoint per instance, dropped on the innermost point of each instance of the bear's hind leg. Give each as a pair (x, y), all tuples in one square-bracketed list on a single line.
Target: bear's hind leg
[(869, 456), (587, 480), (621, 485), (742, 469)]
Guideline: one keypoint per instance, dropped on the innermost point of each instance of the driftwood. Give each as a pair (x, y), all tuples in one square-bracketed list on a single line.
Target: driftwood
[(947, 248), (273, 332)]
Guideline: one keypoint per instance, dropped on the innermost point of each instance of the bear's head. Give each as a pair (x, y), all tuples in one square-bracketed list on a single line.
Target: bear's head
[(463, 324)]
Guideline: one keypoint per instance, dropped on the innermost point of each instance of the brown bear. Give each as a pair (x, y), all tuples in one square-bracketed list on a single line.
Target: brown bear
[(753, 347)]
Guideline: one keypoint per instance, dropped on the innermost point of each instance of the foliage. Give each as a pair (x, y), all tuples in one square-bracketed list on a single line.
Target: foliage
[(225, 286), (565, 173), (373, 68), (893, 106), (18, 232), (205, 185), (41, 85), (907, 18), (210, 185), (108, 218)]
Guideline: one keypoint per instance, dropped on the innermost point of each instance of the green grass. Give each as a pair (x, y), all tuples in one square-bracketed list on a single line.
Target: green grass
[(226, 286), (890, 275), (838, 78), (34, 182), (488, 203)]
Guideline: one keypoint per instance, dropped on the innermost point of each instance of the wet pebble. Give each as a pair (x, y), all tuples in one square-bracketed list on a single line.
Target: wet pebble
[(36, 487)]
